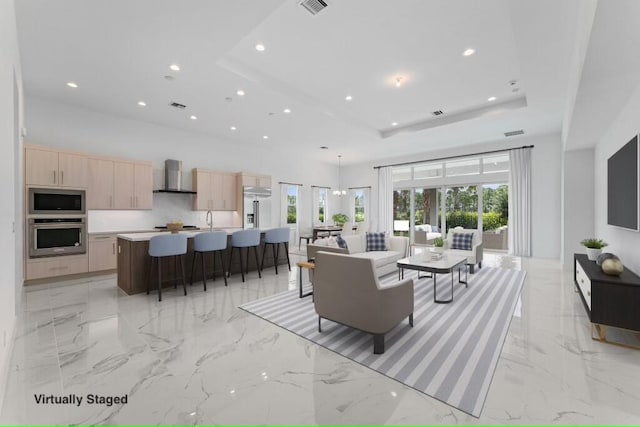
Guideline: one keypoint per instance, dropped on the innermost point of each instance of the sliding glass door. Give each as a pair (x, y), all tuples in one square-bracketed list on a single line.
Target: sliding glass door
[(495, 216), (462, 207), (401, 212)]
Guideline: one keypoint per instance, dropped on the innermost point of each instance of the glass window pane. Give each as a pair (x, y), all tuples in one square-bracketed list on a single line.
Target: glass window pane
[(427, 215), (359, 214), (496, 164), (401, 212), (292, 205), (462, 207), (428, 171), (322, 205), (463, 167), (495, 216), (401, 173)]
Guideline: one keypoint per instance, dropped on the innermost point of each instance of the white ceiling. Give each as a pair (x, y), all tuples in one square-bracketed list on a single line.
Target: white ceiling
[(118, 52)]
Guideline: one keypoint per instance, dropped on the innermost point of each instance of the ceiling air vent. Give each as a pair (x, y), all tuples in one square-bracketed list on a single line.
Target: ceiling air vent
[(313, 6), (178, 105), (514, 133), (437, 113)]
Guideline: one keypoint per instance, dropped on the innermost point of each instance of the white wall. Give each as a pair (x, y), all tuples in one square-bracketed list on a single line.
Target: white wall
[(624, 243), (577, 202), (65, 126), (9, 109), (546, 184)]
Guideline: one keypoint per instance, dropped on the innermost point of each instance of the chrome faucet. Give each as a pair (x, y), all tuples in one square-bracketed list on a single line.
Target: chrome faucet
[(210, 220)]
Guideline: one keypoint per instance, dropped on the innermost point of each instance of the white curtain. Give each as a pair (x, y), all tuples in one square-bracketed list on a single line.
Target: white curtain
[(520, 202), (385, 200)]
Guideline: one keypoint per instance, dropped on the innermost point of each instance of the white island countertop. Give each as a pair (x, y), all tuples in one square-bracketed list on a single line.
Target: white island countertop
[(142, 237)]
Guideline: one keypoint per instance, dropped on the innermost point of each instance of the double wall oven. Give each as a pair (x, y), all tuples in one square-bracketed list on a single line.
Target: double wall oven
[(57, 222)]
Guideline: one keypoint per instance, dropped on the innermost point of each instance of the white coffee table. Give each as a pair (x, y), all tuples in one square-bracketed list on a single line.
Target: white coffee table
[(446, 264)]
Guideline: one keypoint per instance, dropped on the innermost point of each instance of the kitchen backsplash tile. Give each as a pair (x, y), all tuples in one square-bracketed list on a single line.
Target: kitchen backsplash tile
[(166, 208)]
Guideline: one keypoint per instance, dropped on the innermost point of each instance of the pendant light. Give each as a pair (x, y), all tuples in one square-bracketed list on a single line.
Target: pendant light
[(339, 192)]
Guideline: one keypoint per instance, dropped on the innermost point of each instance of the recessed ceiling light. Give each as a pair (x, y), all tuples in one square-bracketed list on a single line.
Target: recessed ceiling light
[(286, 111), (240, 92), (265, 137), (72, 84), (233, 128), (142, 103), (491, 98), (193, 117), (394, 124), (174, 67), (348, 97), (399, 81), (469, 52), (260, 47)]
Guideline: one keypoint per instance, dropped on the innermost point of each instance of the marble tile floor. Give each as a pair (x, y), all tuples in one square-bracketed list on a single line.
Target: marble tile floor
[(200, 360)]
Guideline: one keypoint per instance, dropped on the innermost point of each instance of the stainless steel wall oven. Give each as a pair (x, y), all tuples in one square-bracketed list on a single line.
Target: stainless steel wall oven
[(57, 236)]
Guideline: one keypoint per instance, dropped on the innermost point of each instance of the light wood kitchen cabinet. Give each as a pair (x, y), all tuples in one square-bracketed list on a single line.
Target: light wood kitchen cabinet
[(41, 268), (253, 180), (215, 191), (102, 252), (55, 168), (132, 185), (204, 193), (101, 177), (123, 185), (224, 191), (143, 186)]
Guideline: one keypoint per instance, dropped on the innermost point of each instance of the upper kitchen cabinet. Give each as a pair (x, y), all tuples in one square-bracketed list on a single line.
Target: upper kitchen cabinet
[(120, 184), (133, 185), (143, 185), (216, 191), (101, 177), (224, 191), (55, 168), (252, 180)]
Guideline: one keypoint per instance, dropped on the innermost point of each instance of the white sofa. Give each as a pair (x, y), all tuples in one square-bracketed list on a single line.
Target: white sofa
[(474, 256), (385, 261), (424, 234)]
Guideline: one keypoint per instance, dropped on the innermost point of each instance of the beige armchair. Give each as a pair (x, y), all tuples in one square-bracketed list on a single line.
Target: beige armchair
[(346, 290)]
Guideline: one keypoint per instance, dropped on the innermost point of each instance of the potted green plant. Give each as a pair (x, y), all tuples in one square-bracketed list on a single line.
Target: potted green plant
[(594, 247), (340, 219), (438, 244)]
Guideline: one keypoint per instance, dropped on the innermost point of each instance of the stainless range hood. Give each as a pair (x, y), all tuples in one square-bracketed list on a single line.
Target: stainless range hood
[(173, 178), (173, 175)]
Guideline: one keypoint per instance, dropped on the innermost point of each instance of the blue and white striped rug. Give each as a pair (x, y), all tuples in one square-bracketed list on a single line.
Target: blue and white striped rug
[(451, 352)]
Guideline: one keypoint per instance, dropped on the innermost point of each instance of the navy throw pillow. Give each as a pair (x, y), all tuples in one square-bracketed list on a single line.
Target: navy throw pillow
[(341, 243), (462, 241), (376, 242)]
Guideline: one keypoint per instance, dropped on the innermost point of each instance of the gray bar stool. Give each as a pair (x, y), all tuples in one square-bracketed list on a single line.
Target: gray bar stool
[(163, 246), (245, 239), (203, 243), (275, 237)]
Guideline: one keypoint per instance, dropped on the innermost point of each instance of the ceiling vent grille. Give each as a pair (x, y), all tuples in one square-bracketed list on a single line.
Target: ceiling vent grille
[(437, 113), (313, 6), (514, 133), (178, 105)]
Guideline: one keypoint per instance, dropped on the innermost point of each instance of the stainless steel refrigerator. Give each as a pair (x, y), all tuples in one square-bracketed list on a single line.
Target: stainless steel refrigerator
[(257, 207)]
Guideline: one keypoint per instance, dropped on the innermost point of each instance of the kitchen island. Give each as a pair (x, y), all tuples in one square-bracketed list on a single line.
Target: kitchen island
[(134, 261)]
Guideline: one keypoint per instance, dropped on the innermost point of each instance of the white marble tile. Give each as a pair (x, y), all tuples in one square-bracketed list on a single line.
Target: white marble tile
[(200, 360)]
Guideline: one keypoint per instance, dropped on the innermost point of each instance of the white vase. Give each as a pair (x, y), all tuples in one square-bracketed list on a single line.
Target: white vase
[(592, 254), (438, 249)]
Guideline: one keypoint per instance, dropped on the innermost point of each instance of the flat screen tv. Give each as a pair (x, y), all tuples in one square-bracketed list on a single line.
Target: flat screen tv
[(623, 183)]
